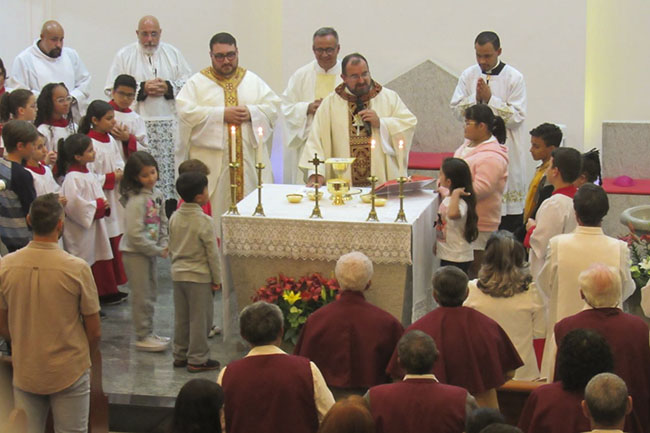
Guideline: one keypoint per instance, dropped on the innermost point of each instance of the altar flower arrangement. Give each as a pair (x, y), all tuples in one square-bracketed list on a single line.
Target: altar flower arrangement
[(639, 247), (297, 298)]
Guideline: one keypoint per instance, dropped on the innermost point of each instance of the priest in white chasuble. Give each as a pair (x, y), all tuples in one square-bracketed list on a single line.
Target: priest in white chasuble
[(221, 110), (306, 89), (361, 110), (503, 89)]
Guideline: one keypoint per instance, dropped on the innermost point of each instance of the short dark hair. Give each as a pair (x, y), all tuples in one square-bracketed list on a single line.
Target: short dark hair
[(125, 80), (191, 184), (591, 204), (450, 286), (606, 396), (261, 323), (45, 213), (3, 70), (18, 131), (591, 166), (501, 428), (417, 352), (569, 163), (353, 58), (197, 407), (550, 134), (581, 355), (488, 37), (325, 31), (482, 417), (223, 38), (193, 165)]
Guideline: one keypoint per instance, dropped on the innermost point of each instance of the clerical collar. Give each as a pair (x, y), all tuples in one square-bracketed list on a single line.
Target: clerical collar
[(99, 136), (117, 107), (344, 93), (497, 69)]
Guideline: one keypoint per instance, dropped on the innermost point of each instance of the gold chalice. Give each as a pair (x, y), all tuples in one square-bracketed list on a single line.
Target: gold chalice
[(339, 186)]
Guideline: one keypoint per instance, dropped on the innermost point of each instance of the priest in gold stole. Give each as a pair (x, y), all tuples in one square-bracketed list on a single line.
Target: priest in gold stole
[(209, 104), (306, 89), (358, 111)]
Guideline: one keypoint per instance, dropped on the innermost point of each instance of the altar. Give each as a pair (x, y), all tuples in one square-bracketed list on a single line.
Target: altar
[(287, 241)]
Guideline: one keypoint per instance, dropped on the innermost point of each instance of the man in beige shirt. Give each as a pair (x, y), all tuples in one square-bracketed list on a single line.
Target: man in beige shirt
[(49, 310)]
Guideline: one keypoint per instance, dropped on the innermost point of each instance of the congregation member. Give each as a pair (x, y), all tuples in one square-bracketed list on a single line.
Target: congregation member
[(48, 61), (625, 333), (18, 137), (350, 415), (198, 408), (346, 122), (590, 169), (54, 116), (304, 93), (505, 292), (502, 88), (129, 127), (571, 253), (160, 71), (253, 382), (419, 402), (351, 340), (49, 311), (555, 215), (606, 403), (555, 407), (460, 333), (216, 101)]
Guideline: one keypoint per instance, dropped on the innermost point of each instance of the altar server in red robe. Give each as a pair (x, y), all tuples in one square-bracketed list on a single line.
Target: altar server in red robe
[(351, 340), (419, 403), (475, 352), (626, 334)]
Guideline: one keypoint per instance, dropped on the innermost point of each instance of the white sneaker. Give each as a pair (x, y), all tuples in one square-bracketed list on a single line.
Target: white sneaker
[(163, 339), (151, 344), (215, 330)]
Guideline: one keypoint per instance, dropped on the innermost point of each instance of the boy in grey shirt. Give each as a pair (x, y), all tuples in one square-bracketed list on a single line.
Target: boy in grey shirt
[(195, 272)]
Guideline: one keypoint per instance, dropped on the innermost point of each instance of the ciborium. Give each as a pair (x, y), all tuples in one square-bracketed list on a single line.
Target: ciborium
[(339, 186)]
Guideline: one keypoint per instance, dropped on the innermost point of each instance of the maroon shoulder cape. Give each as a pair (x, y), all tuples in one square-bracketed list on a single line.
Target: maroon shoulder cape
[(351, 341), (475, 352)]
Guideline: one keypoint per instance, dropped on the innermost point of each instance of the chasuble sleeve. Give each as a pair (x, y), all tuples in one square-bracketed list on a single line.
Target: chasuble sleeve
[(320, 138), (513, 109), (267, 104), (399, 125)]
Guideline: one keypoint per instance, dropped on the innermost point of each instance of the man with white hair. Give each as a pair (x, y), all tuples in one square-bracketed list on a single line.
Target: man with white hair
[(48, 61), (627, 334), (350, 339), (606, 403)]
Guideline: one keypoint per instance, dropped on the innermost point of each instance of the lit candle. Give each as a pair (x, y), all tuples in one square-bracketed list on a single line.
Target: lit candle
[(260, 145), (233, 143), (372, 152), (400, 158)]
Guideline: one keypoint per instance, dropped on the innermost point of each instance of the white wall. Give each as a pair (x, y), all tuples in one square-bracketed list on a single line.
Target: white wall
[(544, 40)]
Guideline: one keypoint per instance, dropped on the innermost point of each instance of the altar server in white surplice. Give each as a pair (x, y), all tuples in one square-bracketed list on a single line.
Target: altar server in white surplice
[(213, 103), (359, 110), (503, 89), (48, 61), (306, 89), (161, 71)]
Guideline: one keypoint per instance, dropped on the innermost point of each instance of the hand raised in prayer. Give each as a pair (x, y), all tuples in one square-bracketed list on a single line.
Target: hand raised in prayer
[(63, 200), (369, 115), (120, 132), (313, 179), (311, 108), (164, 253), (236, 115), (119, 174), (155, 87), (50, 158), (483, 92)]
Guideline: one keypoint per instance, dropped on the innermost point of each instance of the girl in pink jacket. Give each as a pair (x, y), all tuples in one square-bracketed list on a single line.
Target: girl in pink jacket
[(487, 157)]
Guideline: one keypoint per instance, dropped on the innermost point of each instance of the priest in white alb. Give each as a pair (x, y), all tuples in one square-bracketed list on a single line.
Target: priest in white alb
[(48, 61), (227, 112), (503, 89), (160, 71), (359, 112), (306, 89)]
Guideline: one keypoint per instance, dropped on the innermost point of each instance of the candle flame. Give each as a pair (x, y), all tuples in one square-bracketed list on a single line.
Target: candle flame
[(260, 131), (232, 128), (401, 144), (372, 144)]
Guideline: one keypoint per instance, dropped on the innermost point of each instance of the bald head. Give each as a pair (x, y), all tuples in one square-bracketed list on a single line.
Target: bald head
[(51, 42), (606, 401), (149, 33), (600, 285)]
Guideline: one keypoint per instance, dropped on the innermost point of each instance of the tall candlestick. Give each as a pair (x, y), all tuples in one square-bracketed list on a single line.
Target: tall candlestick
[(400, 158), (372, 152), (233, 143), (260, 145)]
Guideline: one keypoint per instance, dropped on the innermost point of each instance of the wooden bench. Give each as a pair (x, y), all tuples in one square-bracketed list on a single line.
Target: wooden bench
[(512, 397)]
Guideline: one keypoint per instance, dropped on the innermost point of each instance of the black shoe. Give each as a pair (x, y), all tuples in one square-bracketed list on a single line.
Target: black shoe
[(210, 364), (113, 298), (101, 314), (180, 363)]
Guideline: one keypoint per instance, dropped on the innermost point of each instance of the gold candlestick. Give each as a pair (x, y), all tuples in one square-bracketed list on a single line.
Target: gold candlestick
[(259, 210), (233, 189), (372, 216), (401, 216), (316, 212)]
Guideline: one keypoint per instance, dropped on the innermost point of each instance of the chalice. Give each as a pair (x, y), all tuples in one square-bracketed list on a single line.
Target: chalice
[(339, 186)]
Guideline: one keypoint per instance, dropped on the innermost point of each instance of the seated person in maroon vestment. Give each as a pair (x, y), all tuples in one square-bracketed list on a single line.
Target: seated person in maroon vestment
[(269, 391), (419, 403), (606, 403), (351, 340), (475, 352), (625, 333), (555, 408)]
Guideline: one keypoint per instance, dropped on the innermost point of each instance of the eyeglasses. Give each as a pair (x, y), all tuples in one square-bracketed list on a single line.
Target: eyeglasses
[(64, 100), (229, 55), (470, 122), (357, 77), (126, 95), (321, 51)]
